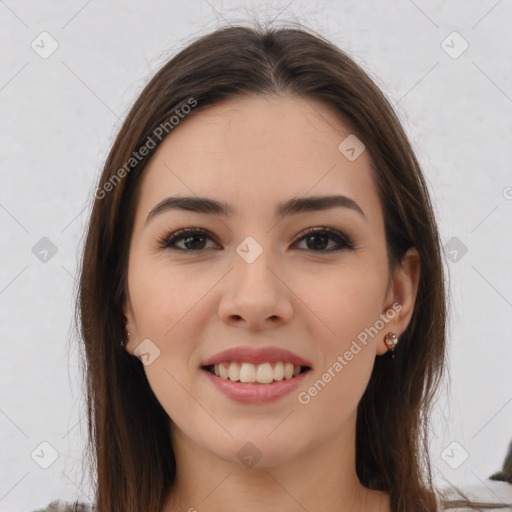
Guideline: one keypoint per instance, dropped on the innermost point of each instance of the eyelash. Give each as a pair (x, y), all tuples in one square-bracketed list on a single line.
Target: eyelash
[(168, 240)]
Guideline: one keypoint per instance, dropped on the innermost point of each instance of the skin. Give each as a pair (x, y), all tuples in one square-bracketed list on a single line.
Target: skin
[(253, 153)]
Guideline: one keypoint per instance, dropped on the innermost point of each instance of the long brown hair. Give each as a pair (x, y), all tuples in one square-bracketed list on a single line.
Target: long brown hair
[(129, 449)]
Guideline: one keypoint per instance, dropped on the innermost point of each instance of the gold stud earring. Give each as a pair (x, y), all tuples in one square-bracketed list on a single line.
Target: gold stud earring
[(391, 341)]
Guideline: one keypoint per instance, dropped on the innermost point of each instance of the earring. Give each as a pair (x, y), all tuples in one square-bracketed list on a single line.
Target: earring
[(391, 341), (125, 341)]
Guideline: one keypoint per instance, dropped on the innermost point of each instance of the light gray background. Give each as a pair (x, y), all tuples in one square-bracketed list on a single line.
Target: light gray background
[(59, 116)]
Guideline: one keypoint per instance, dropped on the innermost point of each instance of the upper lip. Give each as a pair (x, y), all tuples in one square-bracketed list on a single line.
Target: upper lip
[(256, 356)]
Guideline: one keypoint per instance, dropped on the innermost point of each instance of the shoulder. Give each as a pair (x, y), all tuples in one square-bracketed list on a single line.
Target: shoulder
[(66, 506), (492, 493)]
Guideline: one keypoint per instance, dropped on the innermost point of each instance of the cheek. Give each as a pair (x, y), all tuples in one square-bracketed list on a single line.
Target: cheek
[(165, 296), (349, 308), (345, 303), (339, 386), (172, 304)]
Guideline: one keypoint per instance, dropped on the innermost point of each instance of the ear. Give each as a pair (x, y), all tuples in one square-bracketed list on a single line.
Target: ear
[(130, 325), (401, 297)]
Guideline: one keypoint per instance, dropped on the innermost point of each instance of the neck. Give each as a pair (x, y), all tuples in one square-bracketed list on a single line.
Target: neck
[(322, 478)]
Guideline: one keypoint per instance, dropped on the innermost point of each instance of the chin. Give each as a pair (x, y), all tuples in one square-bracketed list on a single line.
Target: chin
[(252, 449)]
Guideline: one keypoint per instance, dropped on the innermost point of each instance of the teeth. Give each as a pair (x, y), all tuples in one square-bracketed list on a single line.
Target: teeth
[(223, 370), (263, 373), (247, 372), (279, 371), (234, 372)]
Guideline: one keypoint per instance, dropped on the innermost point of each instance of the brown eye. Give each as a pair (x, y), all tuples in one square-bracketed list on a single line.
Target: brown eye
[(194, 239), (317, 239)]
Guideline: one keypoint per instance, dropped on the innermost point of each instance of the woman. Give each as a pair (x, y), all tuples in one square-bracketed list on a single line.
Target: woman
[(262, 297)]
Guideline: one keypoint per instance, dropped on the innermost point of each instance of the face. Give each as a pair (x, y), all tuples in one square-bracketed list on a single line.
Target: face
[(259, 279)]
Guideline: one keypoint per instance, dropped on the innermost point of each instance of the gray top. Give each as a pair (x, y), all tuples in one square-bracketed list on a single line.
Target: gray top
[(66, 506)]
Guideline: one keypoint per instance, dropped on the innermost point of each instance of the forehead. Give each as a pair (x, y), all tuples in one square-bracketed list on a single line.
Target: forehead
[(257, 150)]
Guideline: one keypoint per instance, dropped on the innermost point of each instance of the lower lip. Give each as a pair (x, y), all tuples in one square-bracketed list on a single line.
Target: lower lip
[(256, 393)]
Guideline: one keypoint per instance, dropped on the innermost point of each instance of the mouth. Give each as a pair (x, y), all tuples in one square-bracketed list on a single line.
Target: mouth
[(263, 373)]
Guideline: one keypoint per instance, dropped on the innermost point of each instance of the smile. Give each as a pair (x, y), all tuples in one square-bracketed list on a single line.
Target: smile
[(255, 392), (263, 373)]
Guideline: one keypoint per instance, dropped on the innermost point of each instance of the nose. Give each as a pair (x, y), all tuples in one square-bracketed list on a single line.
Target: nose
[(255, 296)]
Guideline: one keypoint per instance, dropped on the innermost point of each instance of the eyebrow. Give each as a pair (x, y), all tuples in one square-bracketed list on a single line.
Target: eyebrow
[(292, 206)]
